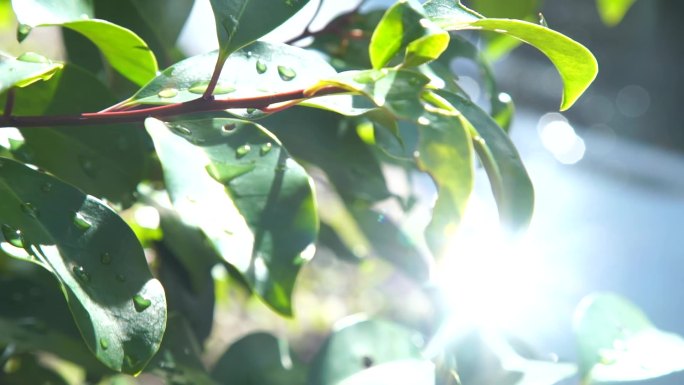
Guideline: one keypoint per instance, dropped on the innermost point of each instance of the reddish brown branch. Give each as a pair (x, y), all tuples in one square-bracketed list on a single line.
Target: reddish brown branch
[(139, 115)]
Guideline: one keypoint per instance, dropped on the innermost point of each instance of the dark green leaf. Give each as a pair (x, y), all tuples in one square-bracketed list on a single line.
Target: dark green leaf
[(105, 161), (612, 11), (25, 70), (235, 181), (29, 371), (254, 70), (371, 352), (445, 152), (510, 183), (240, 22), (405, 26), (119, 308), (617, 342), (125, 51), (575, 63), (259, 358)]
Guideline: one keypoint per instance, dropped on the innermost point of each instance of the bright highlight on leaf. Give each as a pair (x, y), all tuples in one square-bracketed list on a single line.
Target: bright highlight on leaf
[(25, 70)]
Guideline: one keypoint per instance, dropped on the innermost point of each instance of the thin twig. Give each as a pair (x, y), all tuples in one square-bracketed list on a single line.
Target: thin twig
[(139, 115), (220, 61)]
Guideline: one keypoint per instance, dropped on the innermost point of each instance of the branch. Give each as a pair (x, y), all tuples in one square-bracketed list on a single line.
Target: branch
[(139, 115)]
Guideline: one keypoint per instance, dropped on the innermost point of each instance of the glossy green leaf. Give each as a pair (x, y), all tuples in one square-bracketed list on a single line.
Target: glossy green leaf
[(405, 26), (371, 352), (103, 160), (119, 308), (252, 71), (617, 342), (179, 358), (574, 62), (35, 315), (25, 70), (445, 12), (612, 11), (235, 181), (240, 22), (510, 183), (398, 91), (445, 152), (126, 52), (259, 358), (511, 9)]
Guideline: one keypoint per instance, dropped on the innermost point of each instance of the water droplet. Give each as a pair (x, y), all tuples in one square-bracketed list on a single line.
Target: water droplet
[(29, 209), (266, 148), (32, 57), (251, 110), (105, 258), (88, 166), (286, 73), (22, 32), (130, 360), (220, 89), (81, 222), (104, 344), (224, 173), (121, 278), (141, 303), (167, 93), (79, 271), (542, 20), (261, 67), (180, 129), (249, 53), (367, 362), (243, 150), (13, 236), (46, 187)]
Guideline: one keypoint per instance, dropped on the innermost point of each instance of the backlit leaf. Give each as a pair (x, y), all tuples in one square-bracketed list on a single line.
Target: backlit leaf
[(25, 70)]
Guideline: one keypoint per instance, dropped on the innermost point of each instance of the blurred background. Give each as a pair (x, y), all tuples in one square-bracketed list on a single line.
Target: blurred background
[(608, 175)]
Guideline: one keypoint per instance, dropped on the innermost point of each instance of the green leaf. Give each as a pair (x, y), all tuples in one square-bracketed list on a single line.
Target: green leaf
[(510, 183), (612, 11), (25, 70), (259, 358), (258, 69), (371, 352), (29, 370), (405, 25), (126, 52), (235, 181), (574, 62), (445, 152), (617, 342), (240, 22), (511, 9), (119, 308), (105, 161), (445, 12)]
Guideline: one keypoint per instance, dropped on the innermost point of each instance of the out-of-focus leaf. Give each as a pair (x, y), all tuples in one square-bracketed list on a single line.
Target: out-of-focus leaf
[(258, 69), (125, 51), (240, 22), (259, 358), (405, 26), (612, 11), (235, 181), (617, 342), (119, 308), (574, 62), (510, 183), (105, 161), (29, 371), (35, 316), (445, 152), (371, 352), (25, 70), (178, 360)]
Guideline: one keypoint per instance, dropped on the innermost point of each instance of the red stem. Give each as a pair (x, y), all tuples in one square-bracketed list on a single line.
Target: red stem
[(197, 105)]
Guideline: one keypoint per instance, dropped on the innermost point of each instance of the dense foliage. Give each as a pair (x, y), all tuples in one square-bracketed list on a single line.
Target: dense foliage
[(220, 150)]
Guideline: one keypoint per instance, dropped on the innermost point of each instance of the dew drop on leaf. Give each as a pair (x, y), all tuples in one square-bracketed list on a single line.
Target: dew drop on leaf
[(81, 222), (29, 209), (251, 110), (141, 303), (261, 67), (167, 93), (105, 258), (266, 148), (22, 32), (243, 150), (286, 73), (104, 344), (13, 236), (180, 129), (229, 127), (80, 273), (32, 57)]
